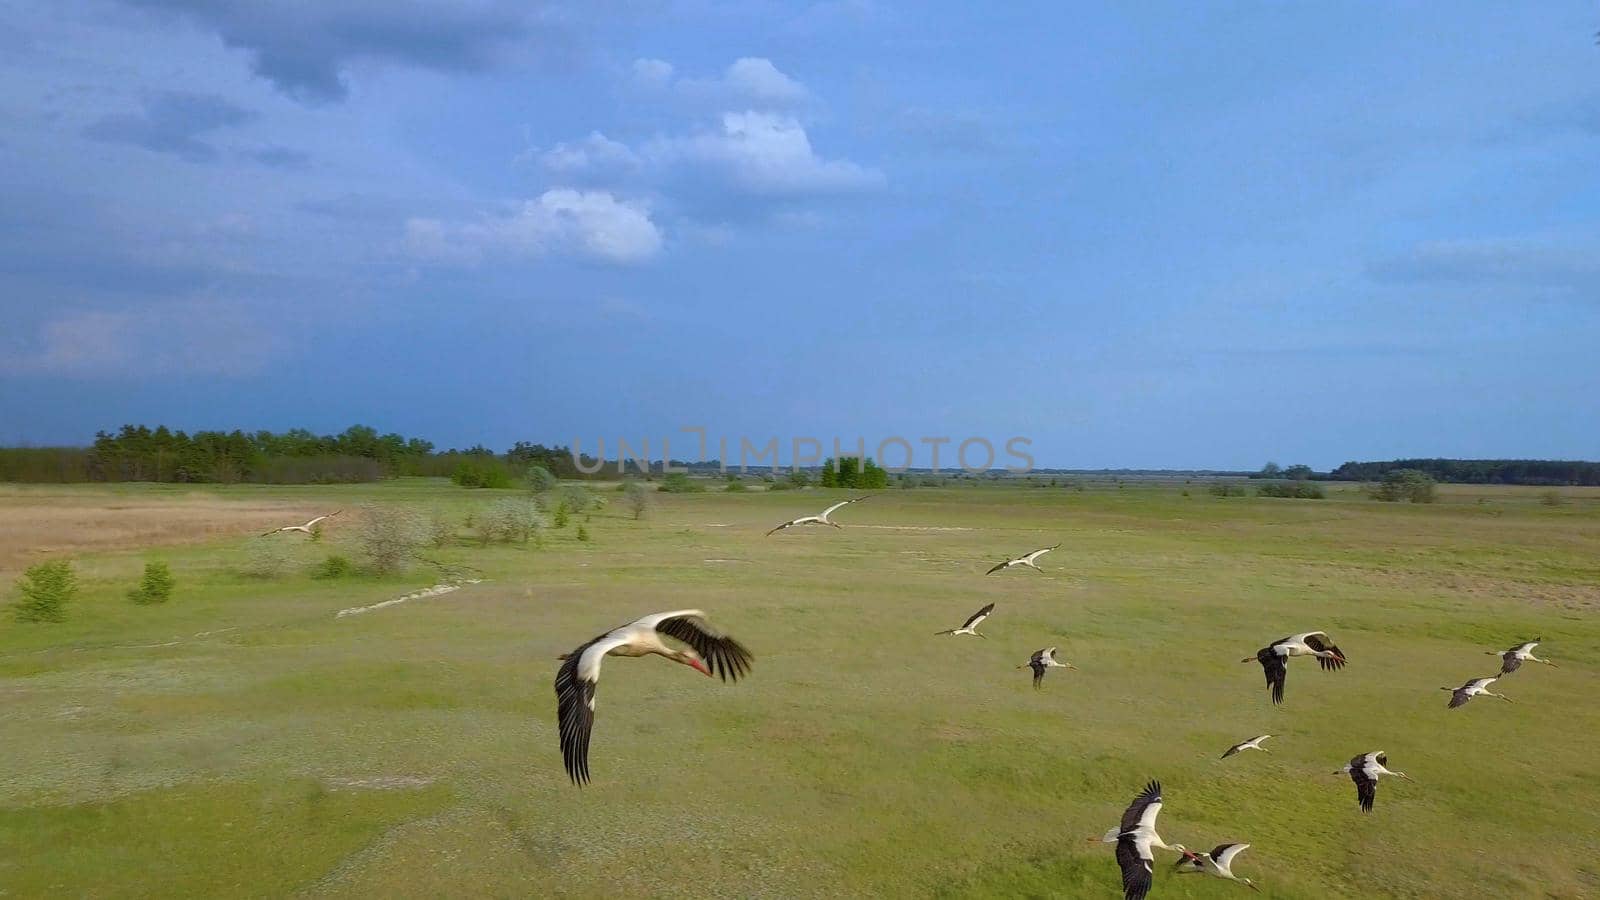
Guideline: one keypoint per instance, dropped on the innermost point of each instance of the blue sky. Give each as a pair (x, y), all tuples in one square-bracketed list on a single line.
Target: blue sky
[(1142, 235)]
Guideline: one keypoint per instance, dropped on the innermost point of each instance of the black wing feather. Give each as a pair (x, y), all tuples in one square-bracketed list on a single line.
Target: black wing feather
[(1316, 642), (1366, 788), (998, 567), (1276, 671), (723, 655), (980, 614), (1509, 662), (1136, 872), (1135, 811), (1039, 668), (575, 715)]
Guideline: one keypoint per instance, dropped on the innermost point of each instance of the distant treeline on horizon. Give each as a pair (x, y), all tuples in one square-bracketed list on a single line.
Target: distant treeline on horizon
[(361, 454), (1479, 471)]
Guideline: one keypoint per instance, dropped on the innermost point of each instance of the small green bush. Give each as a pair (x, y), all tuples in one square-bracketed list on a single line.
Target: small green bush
[(1405, 484), (540, 479), (559, 520), (1223, 489), (155, 586), (1552, 498), (638, 497), (46, 589), (735, 485), (335, 566), (484, 472), (680, 483), (1299, 490), (781, 486), (583, 533)]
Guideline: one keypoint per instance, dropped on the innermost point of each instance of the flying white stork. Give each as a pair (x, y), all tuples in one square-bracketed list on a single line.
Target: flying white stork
[(1252, 744), (818, 519), (1511, 660), (1028, 559), (1274, 657), (970, 626), (305, 528), (1364, 771), (1136, 840), (1459, 696), (1042, 661), (707, 652), (1219, 863)]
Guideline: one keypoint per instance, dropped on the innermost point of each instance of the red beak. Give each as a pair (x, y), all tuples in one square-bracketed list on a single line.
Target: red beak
[(701, 666)]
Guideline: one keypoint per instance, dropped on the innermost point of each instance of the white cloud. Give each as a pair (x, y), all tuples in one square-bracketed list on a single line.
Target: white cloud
[(652, 72), (593, 152), (749, 80), (195, 337), (563, 221), (760, 80), (765, 153)]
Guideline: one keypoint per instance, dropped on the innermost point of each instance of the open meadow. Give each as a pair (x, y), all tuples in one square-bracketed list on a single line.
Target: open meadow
[(245, 740)]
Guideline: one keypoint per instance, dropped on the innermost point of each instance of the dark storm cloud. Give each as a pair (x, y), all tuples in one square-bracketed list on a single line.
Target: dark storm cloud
[(174, 123), (304, 48)]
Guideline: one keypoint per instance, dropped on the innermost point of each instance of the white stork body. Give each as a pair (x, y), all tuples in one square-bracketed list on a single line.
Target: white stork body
[(306, 528), (1512, 660), (1218, 863), (819, 519), (1365, 770), (970, 626), (1274, 658), (1030, 560), (1252, 744), (1459, 696), (1042, 661), (1137, 840), (707, 652)]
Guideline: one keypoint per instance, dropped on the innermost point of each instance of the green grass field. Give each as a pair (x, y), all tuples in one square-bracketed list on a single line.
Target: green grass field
[(242, 741)]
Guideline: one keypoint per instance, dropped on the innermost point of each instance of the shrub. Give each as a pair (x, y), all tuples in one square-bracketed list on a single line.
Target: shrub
[(46, 589), (389, 537), (1301, 490), (854, 472), (508, 521), (735, 485), (482, 472), (1220, 489), (781, 486), (638, 497), (583, 533), (155, 586), (576, 498), (1552, 498), (559, 520), (265, 558), (679, 483), (335, 566), (540, 479), (440, 531), (1405, 484)]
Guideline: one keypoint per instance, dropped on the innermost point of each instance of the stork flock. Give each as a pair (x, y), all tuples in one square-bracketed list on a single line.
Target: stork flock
[(700, 646)]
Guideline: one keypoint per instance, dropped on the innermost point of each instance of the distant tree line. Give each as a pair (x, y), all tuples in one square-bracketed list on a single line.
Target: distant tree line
[(297, 456), (1478, 471)]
